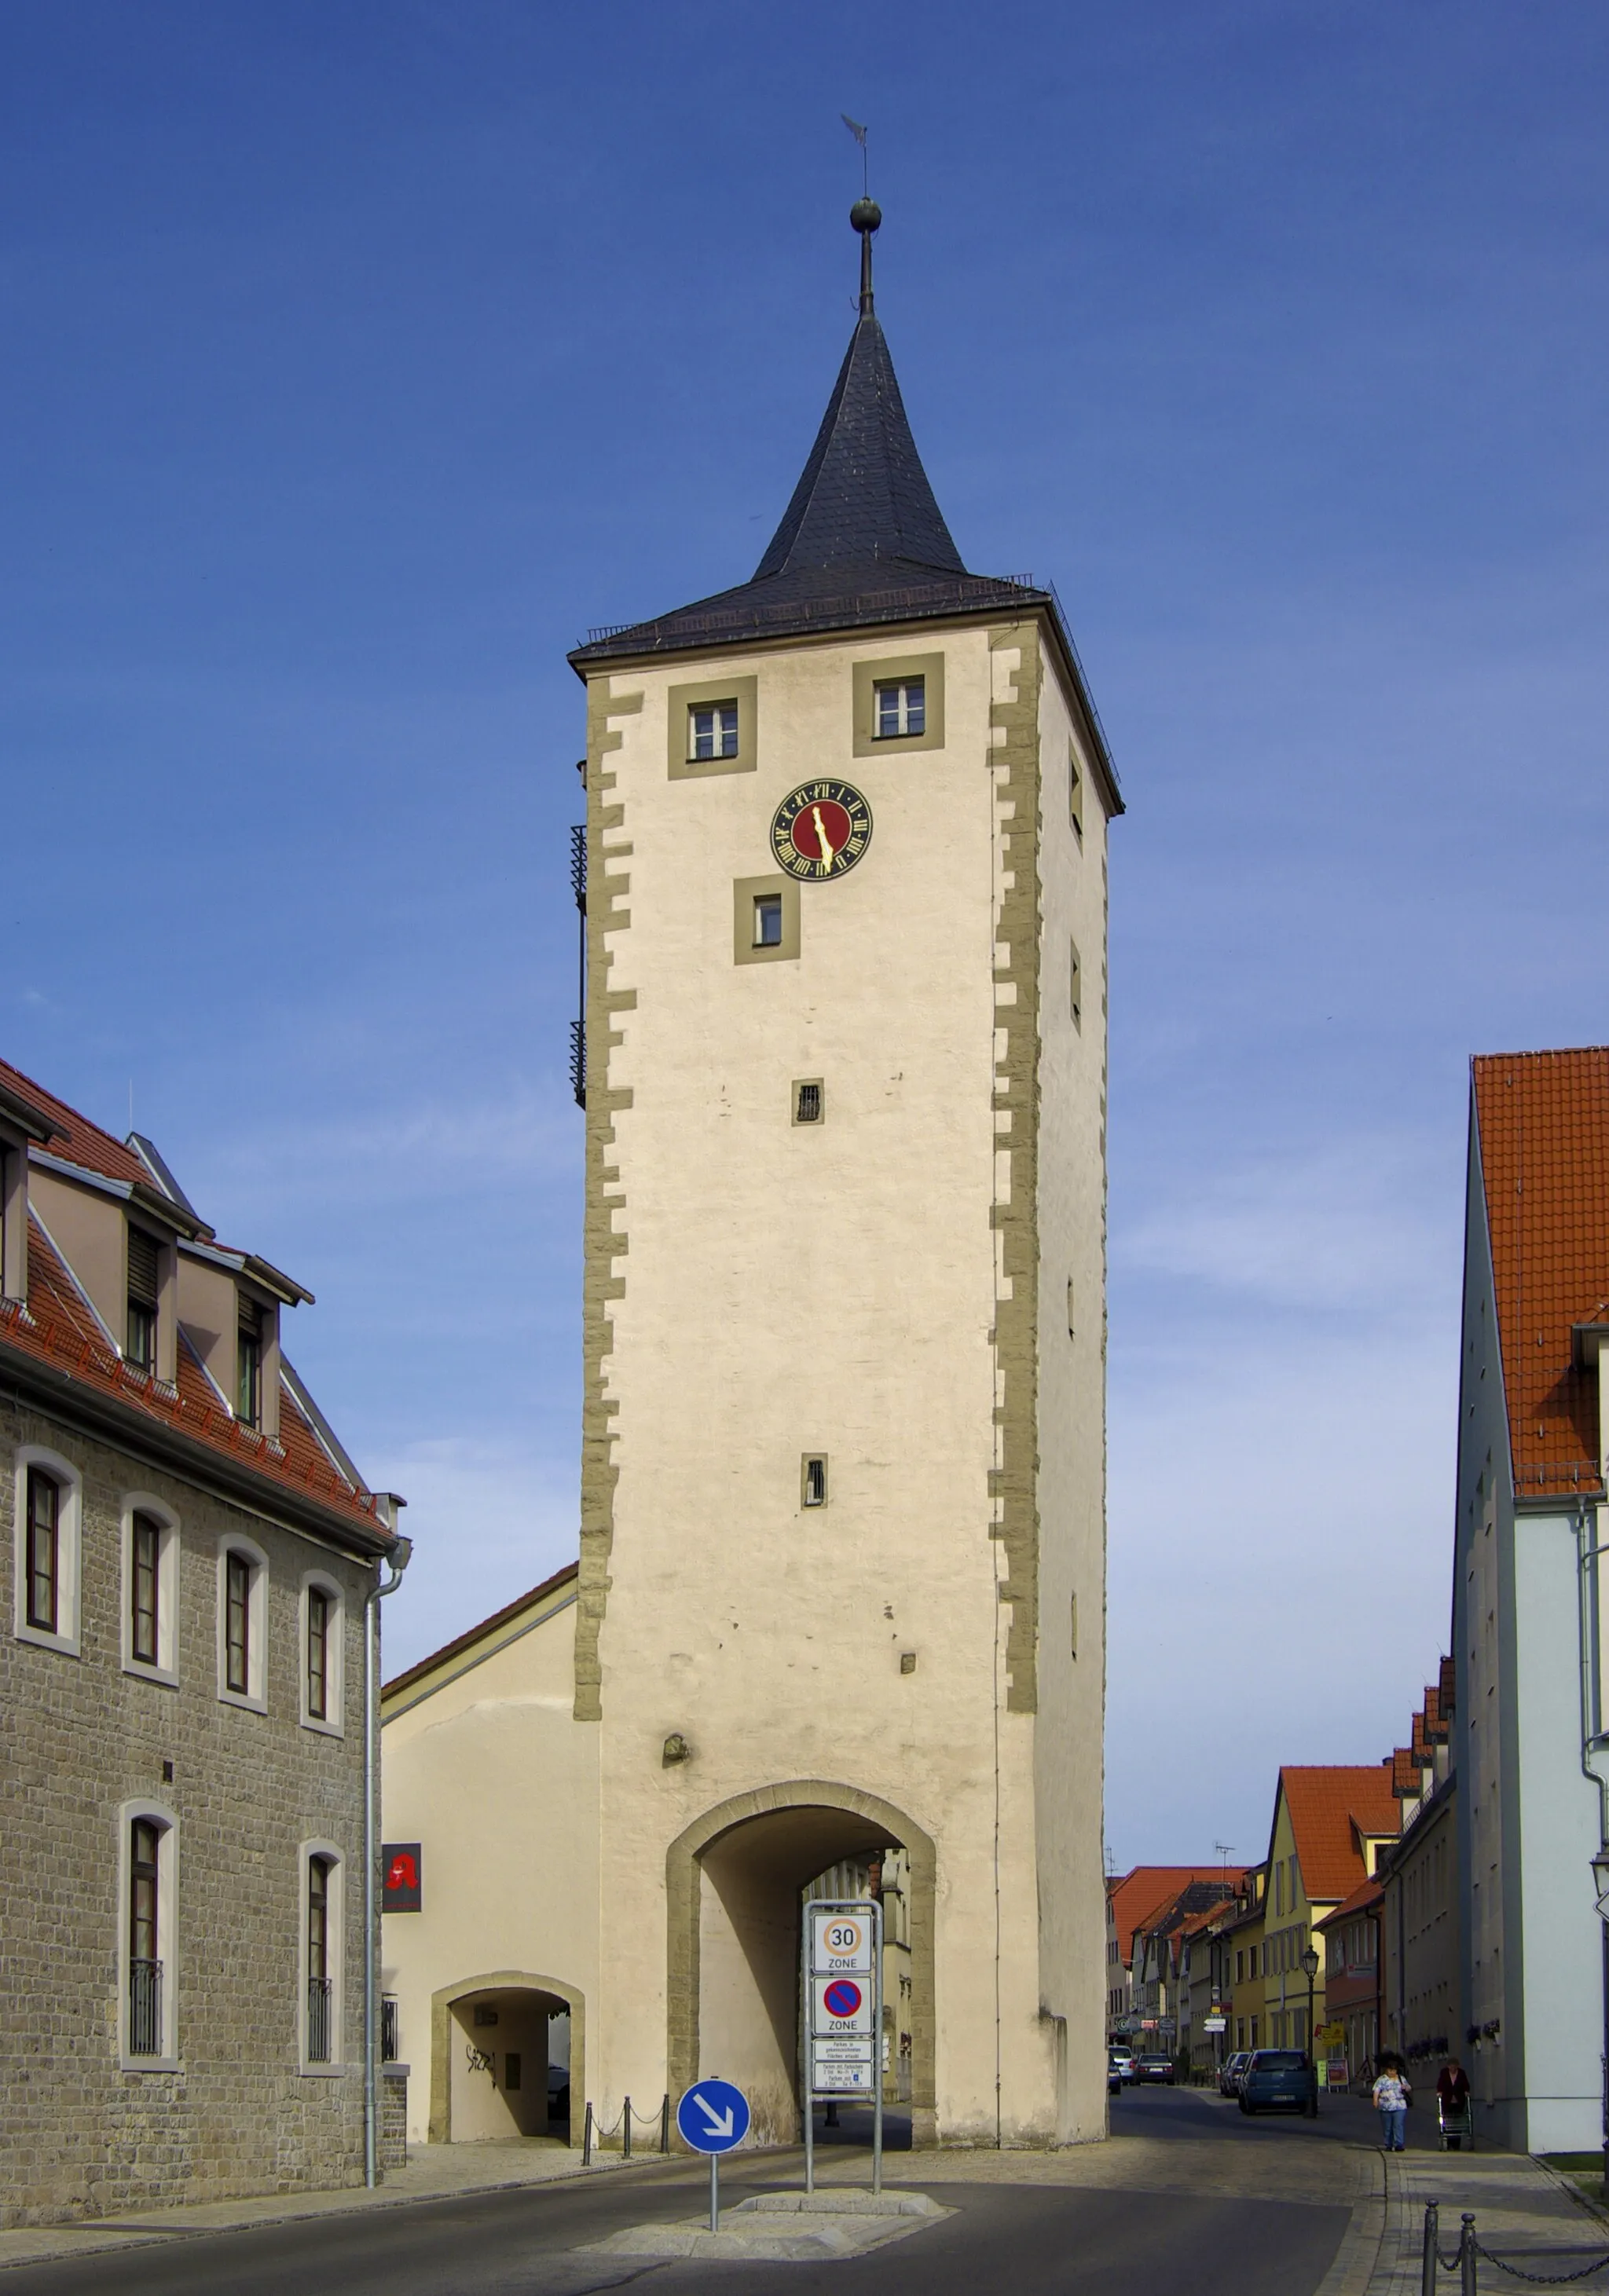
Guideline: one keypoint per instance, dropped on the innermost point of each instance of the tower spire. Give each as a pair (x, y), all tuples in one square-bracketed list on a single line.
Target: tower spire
[(866, 215)]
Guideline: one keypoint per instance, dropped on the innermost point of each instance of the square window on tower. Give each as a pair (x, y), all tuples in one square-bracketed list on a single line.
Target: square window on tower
[(711, 730), (901, 708), (808, 1107), (768, 921), (813, 1480)]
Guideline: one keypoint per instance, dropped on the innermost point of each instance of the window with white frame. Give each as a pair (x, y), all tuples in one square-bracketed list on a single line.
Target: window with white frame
[(712, 731), (899, 708), (242, 1586), (47, 1507), (151, 1555), (147, 1958), (322, 1929), (322, 1703)]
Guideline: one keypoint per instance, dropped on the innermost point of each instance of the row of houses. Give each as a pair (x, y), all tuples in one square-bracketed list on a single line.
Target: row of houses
[(1451, 1899)]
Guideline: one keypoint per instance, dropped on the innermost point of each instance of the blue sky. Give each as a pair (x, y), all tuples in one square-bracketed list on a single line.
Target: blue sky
[(359, 356)]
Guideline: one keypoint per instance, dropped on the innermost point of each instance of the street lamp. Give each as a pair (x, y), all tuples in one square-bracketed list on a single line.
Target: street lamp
[(1309, 1962)]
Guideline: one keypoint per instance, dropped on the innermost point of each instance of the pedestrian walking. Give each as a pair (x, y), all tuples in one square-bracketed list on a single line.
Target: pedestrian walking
[(1392, 2092), (1452, 2105)]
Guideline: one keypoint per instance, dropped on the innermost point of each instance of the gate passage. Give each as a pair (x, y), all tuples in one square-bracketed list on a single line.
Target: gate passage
[(841, 1986)]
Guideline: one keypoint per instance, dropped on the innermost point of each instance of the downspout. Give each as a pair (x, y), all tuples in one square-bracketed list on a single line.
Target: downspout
[(389, 1507)]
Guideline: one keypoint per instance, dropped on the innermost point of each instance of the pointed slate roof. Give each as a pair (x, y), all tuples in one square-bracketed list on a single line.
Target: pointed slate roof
[(862, 543), (863, 496)]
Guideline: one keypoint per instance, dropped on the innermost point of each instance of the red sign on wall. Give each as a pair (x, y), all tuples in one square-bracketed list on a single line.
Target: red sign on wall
[(402, 1877)]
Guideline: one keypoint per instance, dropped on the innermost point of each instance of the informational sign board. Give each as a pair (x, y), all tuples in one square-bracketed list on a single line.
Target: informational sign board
[(402, 1866), (842, 1988), (1215, 2024)]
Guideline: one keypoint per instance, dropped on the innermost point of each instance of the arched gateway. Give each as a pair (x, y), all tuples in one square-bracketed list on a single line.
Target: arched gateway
[(841, 1589), (733, 1884)]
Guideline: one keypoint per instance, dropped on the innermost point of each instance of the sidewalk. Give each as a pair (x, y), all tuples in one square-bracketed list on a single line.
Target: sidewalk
[(1524, 2213), (434, 2172)]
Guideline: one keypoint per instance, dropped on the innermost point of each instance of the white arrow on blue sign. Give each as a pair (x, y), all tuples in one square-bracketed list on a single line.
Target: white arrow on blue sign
[(713, 2116)]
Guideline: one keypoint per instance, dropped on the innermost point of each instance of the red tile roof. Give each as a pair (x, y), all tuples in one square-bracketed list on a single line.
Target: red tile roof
[(1331, 1811), (1541, 1124), (58, 1329), (80, 1142), (1145, 1891), (1367, 1893)]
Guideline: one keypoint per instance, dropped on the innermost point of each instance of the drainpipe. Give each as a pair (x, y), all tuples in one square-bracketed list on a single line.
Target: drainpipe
[(389, 1506)]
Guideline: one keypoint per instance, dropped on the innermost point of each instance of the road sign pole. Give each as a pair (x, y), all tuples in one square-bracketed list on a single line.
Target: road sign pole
[(877, 2047), (807, 2054), (715, 2191)]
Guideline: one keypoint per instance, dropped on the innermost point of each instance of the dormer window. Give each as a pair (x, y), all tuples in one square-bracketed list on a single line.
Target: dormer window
[(249, 1366), (900, 708), (140, 1348), (712, 731)]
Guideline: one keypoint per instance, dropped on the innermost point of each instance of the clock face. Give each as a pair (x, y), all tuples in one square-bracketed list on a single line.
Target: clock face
[(820, 829)]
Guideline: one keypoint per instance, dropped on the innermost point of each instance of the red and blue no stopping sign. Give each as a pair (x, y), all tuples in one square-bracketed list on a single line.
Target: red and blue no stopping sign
[(842, 1998)]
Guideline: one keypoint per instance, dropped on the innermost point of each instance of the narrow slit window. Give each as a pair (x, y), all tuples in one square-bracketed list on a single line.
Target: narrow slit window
[(1075, 796), (1075, 985), (145, 1590), (900, 708), (141, 1350), (237, 1624), (319, 1984), (144, 1969), (712, 731), (806, 1104), (768, 921), (814, 1482), (43, 1559), (319, 1607)]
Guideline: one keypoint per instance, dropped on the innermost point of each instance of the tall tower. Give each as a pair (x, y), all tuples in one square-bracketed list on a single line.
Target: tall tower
[(842, 1548)]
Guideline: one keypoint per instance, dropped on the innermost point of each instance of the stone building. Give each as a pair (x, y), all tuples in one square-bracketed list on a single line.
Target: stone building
[(189, 1552), (840, 1589)]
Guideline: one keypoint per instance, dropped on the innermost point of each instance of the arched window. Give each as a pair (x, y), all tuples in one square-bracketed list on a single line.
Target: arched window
[(323, 1675), (242, 1578), (324, 1929), (46, 1575), (149, 1866), (151, 1555)]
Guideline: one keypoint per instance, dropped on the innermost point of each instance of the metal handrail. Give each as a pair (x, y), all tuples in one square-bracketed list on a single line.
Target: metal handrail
[(144, 2008)]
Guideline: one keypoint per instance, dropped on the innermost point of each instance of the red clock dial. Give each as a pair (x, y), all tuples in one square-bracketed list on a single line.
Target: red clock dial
[(825, 819)]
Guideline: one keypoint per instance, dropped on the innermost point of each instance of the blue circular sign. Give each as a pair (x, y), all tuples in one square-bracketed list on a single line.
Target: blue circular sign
[(713, 2116)]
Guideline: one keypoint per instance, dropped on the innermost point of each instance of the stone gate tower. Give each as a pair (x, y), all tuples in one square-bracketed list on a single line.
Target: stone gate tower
[(842, 1544)]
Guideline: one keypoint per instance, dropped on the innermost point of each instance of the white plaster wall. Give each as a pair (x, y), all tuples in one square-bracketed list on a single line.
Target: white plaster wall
[(1561, 1935), (500, 1784), (789, 1290), (1071, 1411)]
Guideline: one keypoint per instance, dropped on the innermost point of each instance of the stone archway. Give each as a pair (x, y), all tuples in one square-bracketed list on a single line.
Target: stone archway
[(505, 1982), (745, 1861)]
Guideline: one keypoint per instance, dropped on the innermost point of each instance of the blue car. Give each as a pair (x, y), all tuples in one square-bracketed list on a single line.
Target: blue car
[(1277, 2081)]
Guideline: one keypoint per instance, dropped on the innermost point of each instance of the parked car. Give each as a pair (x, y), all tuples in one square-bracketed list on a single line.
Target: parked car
[(1230, 2071), (1121, 2063), (1155, 2069), (1276, 2081)]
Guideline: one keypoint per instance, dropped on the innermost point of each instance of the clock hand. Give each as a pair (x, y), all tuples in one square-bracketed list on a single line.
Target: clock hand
[(822, 839)]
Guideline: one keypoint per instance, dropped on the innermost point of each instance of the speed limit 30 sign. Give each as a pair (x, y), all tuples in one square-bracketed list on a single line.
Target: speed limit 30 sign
[(840, 1942)]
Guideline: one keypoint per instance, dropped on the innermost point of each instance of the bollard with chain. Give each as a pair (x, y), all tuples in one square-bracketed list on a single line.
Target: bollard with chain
[(586, 2141), (1467, 2258), (1433, 2229), (626, 2121)]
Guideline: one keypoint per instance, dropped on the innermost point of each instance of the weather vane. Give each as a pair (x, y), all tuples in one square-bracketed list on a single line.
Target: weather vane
[(858, 133)]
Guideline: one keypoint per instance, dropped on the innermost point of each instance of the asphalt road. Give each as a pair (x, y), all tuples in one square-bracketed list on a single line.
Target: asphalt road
[(1036, 2240)]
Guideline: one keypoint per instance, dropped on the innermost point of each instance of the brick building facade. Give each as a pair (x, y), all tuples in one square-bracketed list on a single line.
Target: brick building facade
[(187, 1552)]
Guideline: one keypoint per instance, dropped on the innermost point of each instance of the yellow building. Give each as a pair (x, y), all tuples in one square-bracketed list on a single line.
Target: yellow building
[(841, 1592), (1329, 1825)]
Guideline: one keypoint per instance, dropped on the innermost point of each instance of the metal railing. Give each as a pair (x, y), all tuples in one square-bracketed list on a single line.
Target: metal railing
[(390, 2044), (144, 2008), (1464, 2259), (319, 1990)]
